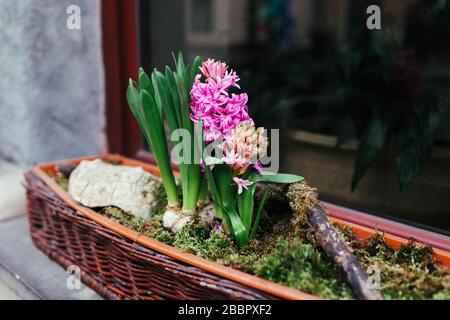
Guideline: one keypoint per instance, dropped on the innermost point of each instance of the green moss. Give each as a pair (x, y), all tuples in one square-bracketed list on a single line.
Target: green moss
[(135, 223), (159, 194), (285, 251), (347, 235), (300, 265), (198, 239), (63, 182), (414, 255), (407, 273)]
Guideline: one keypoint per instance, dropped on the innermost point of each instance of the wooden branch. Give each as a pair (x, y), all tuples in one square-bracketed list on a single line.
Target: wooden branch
[(338, 250)]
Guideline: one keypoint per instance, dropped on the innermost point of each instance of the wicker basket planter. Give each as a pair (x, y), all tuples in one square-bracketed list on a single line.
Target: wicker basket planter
[(118, 263)]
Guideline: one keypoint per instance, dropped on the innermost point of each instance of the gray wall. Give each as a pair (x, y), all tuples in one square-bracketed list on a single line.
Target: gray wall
[(51, 81)]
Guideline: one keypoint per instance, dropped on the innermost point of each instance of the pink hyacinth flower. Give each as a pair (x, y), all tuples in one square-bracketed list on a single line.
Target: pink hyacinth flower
[(258, 167), (220, 110), (242, 184), (212, 69)]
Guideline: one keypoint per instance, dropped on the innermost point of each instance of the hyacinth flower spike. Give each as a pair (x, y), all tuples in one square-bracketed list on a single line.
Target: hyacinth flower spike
[(232, 178)]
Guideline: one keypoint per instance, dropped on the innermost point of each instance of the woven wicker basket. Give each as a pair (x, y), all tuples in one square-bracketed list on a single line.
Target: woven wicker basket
[(118, 263)]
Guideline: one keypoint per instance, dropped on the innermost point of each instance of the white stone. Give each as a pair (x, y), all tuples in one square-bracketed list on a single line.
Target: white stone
[(183, 220), (207, 213), (99, 184), (170, 217), (176, 220)]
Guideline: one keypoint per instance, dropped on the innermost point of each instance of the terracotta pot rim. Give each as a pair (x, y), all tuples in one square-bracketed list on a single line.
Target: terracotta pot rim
[(229, 273)]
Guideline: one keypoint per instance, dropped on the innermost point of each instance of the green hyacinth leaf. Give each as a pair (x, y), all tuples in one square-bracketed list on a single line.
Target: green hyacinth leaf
[(237, 227), (283, 178), (259, 213), (144, 81)]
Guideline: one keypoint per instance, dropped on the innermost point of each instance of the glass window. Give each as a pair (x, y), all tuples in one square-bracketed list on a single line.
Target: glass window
[(364, 113), (201, 16)]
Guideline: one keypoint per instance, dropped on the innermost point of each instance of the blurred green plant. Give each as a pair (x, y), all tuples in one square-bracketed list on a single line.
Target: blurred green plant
[(391, 110)]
